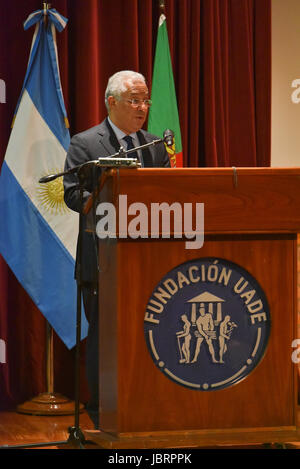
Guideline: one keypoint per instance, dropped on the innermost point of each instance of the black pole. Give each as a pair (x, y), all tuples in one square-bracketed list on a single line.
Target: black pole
[(76, 437)]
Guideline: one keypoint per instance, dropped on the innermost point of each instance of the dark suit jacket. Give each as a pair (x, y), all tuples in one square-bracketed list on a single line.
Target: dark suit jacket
[(99, 141)]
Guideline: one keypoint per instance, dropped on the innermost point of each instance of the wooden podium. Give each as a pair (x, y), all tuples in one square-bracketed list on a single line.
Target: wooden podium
[(251, 218)]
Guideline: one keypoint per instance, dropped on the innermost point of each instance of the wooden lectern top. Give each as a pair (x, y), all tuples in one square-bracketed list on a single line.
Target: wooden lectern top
[(236, 200)]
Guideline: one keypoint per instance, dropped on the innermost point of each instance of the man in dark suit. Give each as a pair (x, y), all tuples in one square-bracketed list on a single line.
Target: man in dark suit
[(127, 101)]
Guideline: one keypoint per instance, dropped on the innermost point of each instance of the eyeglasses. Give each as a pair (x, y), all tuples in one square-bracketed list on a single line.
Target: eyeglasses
[(139, 102)]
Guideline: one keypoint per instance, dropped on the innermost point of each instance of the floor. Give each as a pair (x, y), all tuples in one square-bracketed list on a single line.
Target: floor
[(40, 431), (22, 429)]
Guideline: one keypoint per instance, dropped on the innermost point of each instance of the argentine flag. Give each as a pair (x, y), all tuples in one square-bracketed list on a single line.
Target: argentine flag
[(37, 231)]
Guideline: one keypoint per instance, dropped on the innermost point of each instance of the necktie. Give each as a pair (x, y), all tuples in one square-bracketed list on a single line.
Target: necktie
[(130, 145)]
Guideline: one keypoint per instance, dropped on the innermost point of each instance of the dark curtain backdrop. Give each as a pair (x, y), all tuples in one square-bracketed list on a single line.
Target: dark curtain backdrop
[(221, 52)]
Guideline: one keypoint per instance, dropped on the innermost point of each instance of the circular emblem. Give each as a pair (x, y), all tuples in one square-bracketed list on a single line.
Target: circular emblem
[(50, 196), (207, 324)]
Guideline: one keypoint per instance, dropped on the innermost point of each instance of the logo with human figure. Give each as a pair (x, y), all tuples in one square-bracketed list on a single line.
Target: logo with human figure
[(206, 330), (207, 324)]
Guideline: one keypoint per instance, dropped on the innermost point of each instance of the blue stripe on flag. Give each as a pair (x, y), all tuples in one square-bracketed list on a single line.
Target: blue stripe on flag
[(43, 255), (42, 86), (32, 19), (59, 20)]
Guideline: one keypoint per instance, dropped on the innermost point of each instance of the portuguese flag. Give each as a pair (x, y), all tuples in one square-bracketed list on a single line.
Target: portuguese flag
[(163, 113)]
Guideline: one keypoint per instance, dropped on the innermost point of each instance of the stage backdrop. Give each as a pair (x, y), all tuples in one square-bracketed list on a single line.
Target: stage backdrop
[(221, 52), (285, 143)]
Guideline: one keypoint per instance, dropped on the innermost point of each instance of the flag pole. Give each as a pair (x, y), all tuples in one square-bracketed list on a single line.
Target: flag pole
[(163, 90), (162, 7), (49, 359), (46, 6), (49, 402)]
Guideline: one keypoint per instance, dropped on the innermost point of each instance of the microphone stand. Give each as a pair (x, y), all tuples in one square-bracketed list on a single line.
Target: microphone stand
[(118, 160), (76, 437)]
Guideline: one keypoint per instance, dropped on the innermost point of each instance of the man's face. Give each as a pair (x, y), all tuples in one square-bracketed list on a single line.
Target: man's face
[(125, 116)]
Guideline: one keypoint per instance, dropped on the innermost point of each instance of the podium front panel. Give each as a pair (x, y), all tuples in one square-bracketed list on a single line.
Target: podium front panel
[(136, 396)]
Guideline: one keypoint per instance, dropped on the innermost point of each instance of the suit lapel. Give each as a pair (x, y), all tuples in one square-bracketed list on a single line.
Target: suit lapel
[(108, 138), (111, 145), (146, 153)]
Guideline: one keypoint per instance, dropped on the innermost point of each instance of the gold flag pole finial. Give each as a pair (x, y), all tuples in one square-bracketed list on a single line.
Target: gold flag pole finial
[(46, 6), (162, 6)]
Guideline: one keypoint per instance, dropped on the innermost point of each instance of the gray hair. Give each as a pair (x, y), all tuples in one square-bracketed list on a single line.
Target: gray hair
[(116, 83)]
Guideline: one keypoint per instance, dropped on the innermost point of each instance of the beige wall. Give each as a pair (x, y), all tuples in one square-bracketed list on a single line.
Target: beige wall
[(285, 148)]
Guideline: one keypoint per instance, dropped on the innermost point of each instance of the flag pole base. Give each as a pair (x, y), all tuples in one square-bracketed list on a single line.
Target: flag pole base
[(49, 404)]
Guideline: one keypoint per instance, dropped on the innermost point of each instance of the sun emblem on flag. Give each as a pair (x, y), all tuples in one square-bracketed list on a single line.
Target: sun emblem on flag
[(51, 196)]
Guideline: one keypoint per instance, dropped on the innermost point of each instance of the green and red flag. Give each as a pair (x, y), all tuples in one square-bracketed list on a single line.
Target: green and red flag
[(163, 113)]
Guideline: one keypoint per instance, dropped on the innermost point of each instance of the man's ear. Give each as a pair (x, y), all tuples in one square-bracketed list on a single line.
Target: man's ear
[(111, 101)]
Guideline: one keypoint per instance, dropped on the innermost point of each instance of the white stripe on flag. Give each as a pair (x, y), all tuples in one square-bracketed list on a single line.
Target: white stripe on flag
[(33, 151)]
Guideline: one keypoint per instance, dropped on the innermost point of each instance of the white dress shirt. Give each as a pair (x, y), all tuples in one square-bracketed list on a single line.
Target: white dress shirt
[(120, 137)]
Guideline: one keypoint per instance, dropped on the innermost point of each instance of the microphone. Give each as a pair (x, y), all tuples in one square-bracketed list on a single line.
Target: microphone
[(49, 178), (168, 137)]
